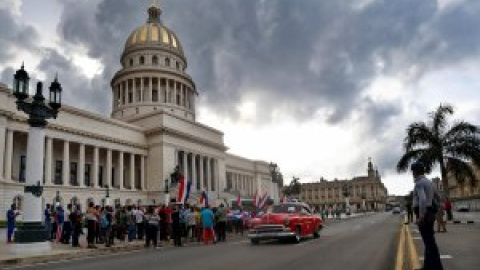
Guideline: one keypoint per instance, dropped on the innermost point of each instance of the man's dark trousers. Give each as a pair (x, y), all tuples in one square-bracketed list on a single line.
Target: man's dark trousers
[(432, 255)]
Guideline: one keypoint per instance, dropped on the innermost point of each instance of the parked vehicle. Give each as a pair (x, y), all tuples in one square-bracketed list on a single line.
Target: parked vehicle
[(289, 221), (396, 210), (463, 208)]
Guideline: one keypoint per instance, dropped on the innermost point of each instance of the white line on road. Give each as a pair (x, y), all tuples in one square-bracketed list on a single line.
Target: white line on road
[(416, 238), (441, 257)]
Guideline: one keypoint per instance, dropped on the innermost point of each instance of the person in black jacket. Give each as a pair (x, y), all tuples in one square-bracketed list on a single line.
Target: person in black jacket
[(177, 232)]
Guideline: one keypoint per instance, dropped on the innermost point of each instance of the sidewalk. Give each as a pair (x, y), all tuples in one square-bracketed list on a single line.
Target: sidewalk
[(66, 252), (458, 247)]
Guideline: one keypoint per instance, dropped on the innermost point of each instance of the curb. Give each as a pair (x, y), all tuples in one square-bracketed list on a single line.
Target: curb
[(84, 253), (68, 254)]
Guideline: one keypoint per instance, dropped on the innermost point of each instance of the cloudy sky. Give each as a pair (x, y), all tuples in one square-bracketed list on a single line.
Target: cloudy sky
[(315, 86)]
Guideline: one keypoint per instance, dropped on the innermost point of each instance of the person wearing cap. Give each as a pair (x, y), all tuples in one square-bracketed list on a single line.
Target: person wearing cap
[(423, 194)]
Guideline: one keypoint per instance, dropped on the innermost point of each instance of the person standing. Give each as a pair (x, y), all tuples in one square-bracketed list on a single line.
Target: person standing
[(76, 222), (423, 195), (60, 219), (67, 225), (191, 223), (11, 216), (440, 218), (153, 221), (48, 222), (177, 231), (131, 223), (91, 224), (139, 222), (208, 223), (448, 209), (408, 206), (221, 218)]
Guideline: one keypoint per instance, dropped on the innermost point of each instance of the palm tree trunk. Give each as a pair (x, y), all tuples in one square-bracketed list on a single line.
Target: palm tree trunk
[(446, 189)]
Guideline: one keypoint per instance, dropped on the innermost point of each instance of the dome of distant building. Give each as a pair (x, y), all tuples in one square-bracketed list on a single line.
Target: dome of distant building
[(154, 33)]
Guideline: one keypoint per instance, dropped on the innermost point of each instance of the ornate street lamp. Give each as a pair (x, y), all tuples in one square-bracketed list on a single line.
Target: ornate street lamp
[(32, 231), (167, 192), (107, 195), (57, 198)]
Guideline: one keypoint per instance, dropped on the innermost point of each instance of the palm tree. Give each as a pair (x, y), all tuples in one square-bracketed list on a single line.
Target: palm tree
[(453, 147)]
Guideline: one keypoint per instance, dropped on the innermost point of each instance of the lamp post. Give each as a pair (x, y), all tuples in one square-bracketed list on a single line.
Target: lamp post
[(346, 194), (167, 192), (57, 199), (32, 233), (107, 195)]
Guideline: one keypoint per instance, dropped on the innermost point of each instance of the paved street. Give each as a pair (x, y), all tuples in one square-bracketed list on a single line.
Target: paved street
[(359, 243)]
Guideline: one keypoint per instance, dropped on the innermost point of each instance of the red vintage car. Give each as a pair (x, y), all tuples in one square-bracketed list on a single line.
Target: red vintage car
[(289, 221)]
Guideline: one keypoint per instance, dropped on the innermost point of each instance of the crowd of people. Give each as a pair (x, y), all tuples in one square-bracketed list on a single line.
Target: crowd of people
[(152, 224)]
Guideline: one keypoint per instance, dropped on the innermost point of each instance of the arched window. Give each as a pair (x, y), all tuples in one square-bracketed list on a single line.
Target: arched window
[(142, 60), (154, 60), (177, 65), (167, 62), (131, 62)]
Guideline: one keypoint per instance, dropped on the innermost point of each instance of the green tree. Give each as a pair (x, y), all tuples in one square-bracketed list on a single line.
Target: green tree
[(294, 188), (453, 147)]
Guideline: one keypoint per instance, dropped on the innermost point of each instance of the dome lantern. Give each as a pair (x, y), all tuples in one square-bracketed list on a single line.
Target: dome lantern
[(154, 13)]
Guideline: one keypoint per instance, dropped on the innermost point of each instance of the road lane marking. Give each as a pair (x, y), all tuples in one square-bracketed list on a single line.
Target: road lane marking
[(414, 261), (443, 257), (417, 238), (400, 250)]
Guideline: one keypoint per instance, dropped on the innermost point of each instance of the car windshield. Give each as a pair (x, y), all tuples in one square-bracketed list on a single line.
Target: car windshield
[(286, 208)]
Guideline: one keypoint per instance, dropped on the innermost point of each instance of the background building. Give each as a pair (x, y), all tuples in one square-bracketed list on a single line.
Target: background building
[(363, 191), (151, 131)]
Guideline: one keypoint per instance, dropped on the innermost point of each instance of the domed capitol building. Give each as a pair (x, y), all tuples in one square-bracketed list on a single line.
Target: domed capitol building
[(152, 130)]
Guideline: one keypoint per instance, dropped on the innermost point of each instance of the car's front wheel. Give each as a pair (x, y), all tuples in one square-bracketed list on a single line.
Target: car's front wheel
[(298, 235), (316, 233)]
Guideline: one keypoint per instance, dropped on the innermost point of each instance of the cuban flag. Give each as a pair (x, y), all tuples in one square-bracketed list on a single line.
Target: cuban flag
[(189, 188), (239, 201), (182, 190), (284, 199), (204, 198), (255, 199)]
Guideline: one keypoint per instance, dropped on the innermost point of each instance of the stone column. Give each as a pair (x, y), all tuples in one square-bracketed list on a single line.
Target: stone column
[(109, 168), (66, 163), (142, 172), (81, 165), (132, 171), (3, 135), (9, 155), (194, 173), (142, 90), (185, 165), (202, 178), (48, 161), (209, 175), (120, 170), (95, 180)]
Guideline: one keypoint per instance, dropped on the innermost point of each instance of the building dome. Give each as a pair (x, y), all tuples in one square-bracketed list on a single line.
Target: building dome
[(154, 33)]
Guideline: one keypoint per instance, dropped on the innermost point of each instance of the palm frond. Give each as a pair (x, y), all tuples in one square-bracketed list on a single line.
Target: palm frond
[(467, 148), (439, 118), (419, 133), (408, 158), (461, 171), (461, 129)]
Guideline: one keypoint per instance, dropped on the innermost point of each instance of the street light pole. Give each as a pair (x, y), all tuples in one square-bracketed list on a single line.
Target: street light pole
[(32, 232), (167, 192), (107, 195)]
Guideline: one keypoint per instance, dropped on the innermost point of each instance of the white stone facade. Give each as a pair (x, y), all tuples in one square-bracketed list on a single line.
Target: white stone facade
[(152, 130)]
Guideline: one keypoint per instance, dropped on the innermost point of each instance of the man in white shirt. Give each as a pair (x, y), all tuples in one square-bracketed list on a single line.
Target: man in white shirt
[(423, 195), (139, 218)]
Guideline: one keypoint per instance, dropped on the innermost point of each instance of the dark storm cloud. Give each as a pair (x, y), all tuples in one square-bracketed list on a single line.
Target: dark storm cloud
[(14, 36), (297, 56)]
